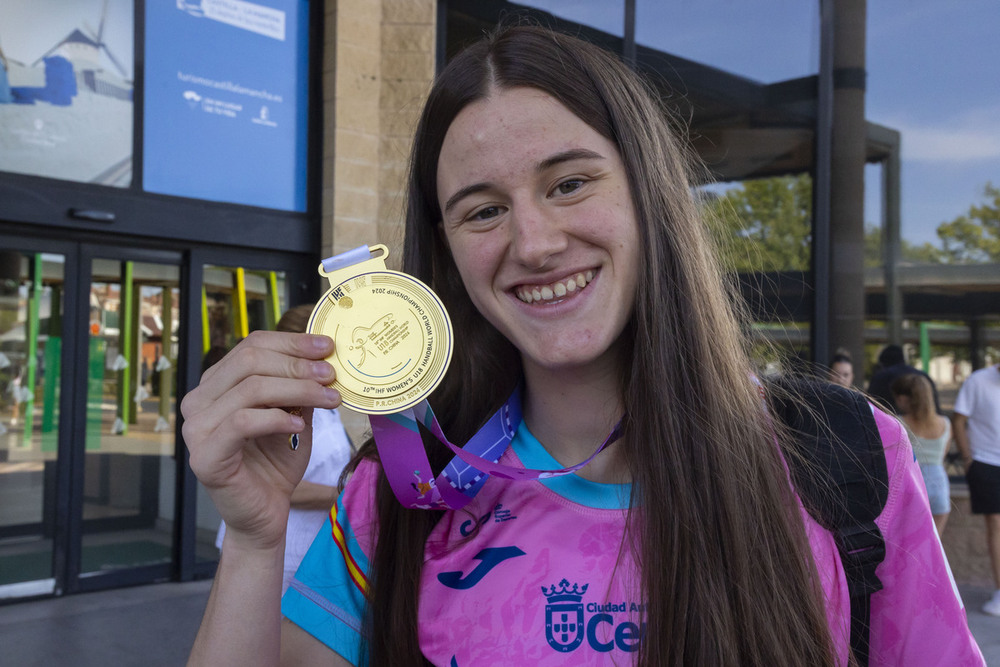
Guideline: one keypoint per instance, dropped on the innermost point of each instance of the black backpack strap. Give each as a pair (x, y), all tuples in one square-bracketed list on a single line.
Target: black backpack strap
[(842, 481)]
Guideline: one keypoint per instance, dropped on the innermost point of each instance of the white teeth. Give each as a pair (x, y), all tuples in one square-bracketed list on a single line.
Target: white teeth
[(555, 290)]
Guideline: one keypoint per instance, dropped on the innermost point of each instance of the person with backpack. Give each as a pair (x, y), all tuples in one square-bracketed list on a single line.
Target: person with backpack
[(630, 492)]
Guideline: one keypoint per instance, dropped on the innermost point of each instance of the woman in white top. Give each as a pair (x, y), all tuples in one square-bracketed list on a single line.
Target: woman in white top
[(930, 434)]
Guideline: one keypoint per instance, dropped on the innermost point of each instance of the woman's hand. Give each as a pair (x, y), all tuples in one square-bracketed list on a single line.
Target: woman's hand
[(237, 428)]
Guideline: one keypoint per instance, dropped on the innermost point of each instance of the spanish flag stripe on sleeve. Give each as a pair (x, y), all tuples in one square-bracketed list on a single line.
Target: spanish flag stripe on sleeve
[(357, 575)]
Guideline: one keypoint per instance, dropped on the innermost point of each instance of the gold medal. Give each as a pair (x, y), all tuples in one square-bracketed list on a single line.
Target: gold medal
[(392, 334)]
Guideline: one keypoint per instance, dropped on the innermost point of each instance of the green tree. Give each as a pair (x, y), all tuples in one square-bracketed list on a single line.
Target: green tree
[(974, 238), (764, 224), (908, 252), (925, 253), (873, 246)]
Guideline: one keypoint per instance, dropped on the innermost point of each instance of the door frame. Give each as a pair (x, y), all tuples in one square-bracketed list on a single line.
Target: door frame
[(79, 250), (76, 580)]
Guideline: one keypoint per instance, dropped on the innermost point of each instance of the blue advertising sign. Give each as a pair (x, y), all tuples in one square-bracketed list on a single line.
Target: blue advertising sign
[(226, 101)]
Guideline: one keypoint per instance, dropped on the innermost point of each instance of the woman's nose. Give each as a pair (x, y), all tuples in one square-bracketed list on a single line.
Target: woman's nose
[(536, 235)]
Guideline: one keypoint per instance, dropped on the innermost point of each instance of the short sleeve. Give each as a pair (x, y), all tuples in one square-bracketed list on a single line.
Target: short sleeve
[(327, 596), (918, 617), (965, 402)]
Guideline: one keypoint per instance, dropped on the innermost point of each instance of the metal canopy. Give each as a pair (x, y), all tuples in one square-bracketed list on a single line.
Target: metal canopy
[(741, 128), (929, 292)]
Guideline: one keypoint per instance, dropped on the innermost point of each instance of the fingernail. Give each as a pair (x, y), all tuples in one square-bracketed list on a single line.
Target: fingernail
[(332, 394), (320, 342), (321, 369)]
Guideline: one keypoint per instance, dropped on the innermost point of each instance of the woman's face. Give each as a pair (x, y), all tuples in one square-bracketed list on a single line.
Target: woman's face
[(539, 219), (842, 373)]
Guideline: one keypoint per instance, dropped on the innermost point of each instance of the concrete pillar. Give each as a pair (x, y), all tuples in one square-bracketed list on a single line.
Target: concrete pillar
[(847, 162), (892, 244), (977, 356)]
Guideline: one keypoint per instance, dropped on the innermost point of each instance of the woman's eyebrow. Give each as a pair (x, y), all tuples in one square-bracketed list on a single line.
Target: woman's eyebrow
[(551, 161), (567, 156), (464, 192)]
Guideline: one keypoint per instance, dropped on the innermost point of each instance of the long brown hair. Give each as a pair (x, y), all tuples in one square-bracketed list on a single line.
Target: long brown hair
[(918, 389), (726, 571)]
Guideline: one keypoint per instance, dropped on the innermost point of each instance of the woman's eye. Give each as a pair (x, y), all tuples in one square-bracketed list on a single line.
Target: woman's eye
[(568, 187), (486, 213)]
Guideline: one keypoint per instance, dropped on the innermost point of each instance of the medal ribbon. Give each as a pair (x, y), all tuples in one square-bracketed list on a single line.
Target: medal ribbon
[(404, 459), (408, 470)]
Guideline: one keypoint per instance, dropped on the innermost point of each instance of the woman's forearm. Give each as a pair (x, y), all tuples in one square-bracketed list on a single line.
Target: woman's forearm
[(242, 622), (961, 437)]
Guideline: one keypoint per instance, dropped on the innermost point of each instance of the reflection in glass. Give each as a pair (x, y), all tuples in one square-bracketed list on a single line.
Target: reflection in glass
[(129, 476), (31, 289), (235, 301)]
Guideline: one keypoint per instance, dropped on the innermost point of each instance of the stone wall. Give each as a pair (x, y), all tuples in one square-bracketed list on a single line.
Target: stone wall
[(378, 64)]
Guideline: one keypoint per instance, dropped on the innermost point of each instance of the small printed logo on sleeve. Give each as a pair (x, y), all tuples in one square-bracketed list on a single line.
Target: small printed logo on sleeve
[(499, 515)]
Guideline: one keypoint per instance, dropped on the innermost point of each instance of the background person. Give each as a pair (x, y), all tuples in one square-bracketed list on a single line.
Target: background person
[(550, 208), (977, 434), (842, 369), (15, 391), (891, 365), (930, 434)]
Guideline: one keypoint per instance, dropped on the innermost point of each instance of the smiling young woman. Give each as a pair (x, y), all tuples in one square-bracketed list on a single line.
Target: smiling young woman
[(550, 208), (547, 215)]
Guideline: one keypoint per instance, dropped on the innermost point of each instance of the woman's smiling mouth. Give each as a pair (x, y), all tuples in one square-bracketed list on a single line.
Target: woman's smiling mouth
[(556, 290)]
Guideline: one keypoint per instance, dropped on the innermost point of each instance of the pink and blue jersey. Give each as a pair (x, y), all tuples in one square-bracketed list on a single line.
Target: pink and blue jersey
[(541, 580)]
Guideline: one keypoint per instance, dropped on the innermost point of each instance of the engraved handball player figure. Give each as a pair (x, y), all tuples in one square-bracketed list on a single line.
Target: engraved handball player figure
[(550, 208)]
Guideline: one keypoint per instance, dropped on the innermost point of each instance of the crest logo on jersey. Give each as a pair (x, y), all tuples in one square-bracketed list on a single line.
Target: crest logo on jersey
[(564, 627)]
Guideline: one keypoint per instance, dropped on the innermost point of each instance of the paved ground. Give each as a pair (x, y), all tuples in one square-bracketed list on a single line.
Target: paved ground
[(155, 625), (986, 629), (145, 625)]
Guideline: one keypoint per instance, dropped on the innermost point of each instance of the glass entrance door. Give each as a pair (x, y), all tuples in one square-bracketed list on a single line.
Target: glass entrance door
[(96, 342), (89, 346), (129, 464), (32, 286)]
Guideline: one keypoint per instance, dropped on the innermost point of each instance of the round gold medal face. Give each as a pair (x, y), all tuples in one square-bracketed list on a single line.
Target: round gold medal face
[(393, 340)]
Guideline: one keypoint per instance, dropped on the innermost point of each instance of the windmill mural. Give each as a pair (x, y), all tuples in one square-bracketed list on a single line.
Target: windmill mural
[(66, 113), (73, 62)]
